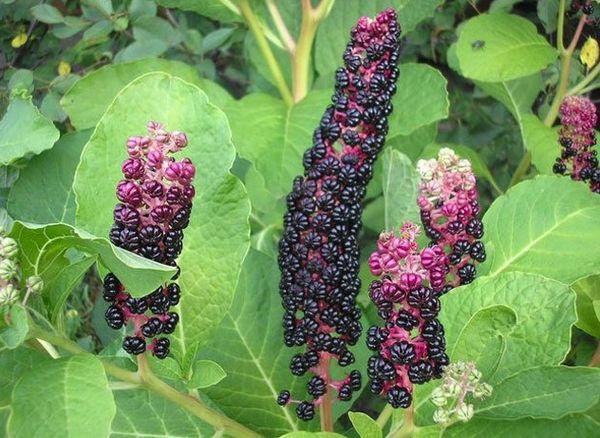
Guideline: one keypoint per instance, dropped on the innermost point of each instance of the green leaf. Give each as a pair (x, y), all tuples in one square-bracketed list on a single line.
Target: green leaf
[(216, 38), (334, 32), (505, 324), (511, 49), (98, 31), (140, 50), (275, 137), (418, 106), (218, 235), (547, 11), (51, 108), (75, 400), (540, 335), (250, 348), (213, 9), (89, 98), (48, 178), (484, 337), (364, 425), (141, 413), (311, 435), (23, 131), (541, 223), (588, 300), (400, 188), (543, 392), (102, 6), (517, 95), (43, 250), (542, 142), (21, 80), (412, 145), (575, 425), (14, 334), (47, 14), (13, 364), (155, 28), (206, 373)]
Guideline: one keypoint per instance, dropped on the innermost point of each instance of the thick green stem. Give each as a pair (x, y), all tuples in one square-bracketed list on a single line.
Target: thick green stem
[(301, 59), (384, 416), (146, 379), (266, 51), (408, 427), (581, 87)]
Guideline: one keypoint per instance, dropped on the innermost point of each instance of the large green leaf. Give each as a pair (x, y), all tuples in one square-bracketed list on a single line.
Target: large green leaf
[(541, 141), (500, 47), (218, 236), (251, 350), (543, 392), (24, 131), (48, 178), (275, 137), (588, 304), (89, 98), (143, 414), (517, 95), (75, 400), (575, 425), (13, 364), (420, 105), (364, 425), (505, 324), (213, 9), (400, 189), (43, 252), (334, 32), (541, 226)]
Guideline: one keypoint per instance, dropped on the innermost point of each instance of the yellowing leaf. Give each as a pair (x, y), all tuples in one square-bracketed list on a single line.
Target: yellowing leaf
[(19, 40), (589, 52), (64, 68)]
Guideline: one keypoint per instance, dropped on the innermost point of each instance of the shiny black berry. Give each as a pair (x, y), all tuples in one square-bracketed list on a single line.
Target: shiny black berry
[(134, 345)]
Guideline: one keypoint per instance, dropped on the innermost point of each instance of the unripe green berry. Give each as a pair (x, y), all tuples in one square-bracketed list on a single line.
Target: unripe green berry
[(8, 269), (441, 416), (465, 412), (34, 284), (8, 294), (8, 247), (439, 397), (482, 390)]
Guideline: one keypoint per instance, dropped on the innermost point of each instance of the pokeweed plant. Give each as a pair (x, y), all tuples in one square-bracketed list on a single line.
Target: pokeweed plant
[(514, 308)]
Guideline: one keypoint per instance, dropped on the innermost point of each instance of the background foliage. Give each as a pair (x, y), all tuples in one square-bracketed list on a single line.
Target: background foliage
[(78, 77)]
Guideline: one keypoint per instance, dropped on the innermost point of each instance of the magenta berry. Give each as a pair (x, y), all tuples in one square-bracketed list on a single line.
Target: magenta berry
[(318, 252), (449, 213), (407, 297), (155, 207), (578, 158)]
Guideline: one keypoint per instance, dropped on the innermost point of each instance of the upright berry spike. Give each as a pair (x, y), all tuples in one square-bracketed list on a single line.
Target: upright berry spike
[(318, 252), (407, 296), (577, 137), (449, 208), (155, 205)]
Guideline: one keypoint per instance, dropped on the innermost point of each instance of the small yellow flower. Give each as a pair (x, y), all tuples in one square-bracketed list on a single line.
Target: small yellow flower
[(19, 40), (64, 68), (589, 52)]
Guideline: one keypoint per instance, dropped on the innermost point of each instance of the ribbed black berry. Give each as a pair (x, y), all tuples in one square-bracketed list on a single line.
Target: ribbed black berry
[(134, 344), (283, 398), (305, 411)]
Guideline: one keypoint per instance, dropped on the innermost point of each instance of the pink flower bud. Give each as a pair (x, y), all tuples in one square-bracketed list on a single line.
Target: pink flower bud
[(133, 168)]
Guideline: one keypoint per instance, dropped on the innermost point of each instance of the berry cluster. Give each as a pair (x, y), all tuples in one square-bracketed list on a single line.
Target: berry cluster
[(318, 252), (411, 345), (155, 205), (449, 208), (578, 157), (586, 7)]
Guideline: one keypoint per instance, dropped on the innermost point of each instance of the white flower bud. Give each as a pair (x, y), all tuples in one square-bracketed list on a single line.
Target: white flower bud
[(438, 397), (34, 284), (465, 412), (8, 269), (8, 247), (447, 156), (463, 166), (426, 169), (441, 416), (8, 294)]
